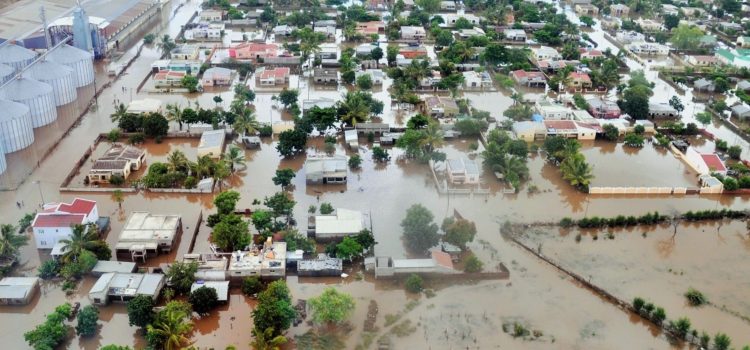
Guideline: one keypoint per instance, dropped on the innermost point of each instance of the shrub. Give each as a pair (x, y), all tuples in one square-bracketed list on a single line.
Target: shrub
[(638, 303), (414, 283), (380, 154), (473, 264), (566, 222), (87, 319), (251, 285), (113, 135), (355, 161), (136, 138), (695, 297), (190, 182), (659, 315), (730, 184), (116, 180), (49, 269), (204, 299), (326, 208), (734, 152)]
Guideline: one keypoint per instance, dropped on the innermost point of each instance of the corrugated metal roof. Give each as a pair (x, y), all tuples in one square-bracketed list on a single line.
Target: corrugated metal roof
[(68, 54), (5, 71), (26, 88), (12, 110), (15, 53), (48, 70)]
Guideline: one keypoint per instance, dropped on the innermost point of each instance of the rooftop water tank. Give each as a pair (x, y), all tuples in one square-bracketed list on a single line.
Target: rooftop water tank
[(81, 61), (38, 96), (16, 132), (6, 72), (16, 56), (59, 76)]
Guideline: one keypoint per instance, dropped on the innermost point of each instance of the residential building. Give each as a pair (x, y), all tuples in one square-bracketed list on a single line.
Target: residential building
[(515, 35), (476, 80), (708, 42), (109, 266), (212, 143), (122, 287), (340, 224), (693, 12), (704, 85), (529, 79), (609, 23), (449, 5), (591, 54), (326, 170), (743, 42), (206, 31), (364, 50), (545, 53), (552, 111), (283, 30), (212, 15), (411, 52), (468, 33), (730, 26), (743, 85), (119, 160), (168, 79), (217, 76), (146, 105), (553, 66), (413, 33), (267, 262), (449, 19), (603, 109), (629, 36), (328, 31), (254, 51), (569, 129), (148, 234), (587, 10), (661, 110), (385, 266), (619, 10), (648, 49), (325, 76), (705, 163), (702, 60), (649, 25), (529, 131), (323, 266), (741, 111), (18, 290), (185, 52), (440, 107), (221, 288), (175, 65), (320, 102), (669, 9), (351, 139), (737, 58), (55, 221), (370, 28), (265, 77), (462, 171), (376, 75), (579, 80)]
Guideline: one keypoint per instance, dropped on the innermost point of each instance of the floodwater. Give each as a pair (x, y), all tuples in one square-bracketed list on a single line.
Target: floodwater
[(567, 315), (659, 265)]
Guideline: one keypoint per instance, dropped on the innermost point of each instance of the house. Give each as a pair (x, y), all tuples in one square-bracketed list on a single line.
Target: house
[(449, 19), (148, 234), (122, 287), (328, 55), (462, 171), (411, 52), (119, 160), (18, 290), (221, 288), (693, 12), (108, 266), (619, 10), (476, 80), (738, 58), (254, 51), (743, 42), (710, 185), (342, 223), (283, 30), (440, 107), (329, 32), (603, 109), (187, 66), (629, 36), (529, 131), (609, 23), (705, 163), (217, 76), (55, 221), (591, 54), (468, 33), (413, 33), (730, 26), (376, 75), (743, 85), (351, 139), (325, 76), (669, 9), (448, 5), (364, 50), (185, 52), (212, 16), (661, 110), (370, 28), (741, 111), (167, 79), (265, 77), (323, 266), (385, 266), (210, 31), (326, 170), (515, 35), (551, 110), (545, 53), (579, 80), (320, 102), (569, 129), (212, 143), (649, 25), (702, 60), (529, 79), (648, 49), (708, 42), (704, 85), (587, 10)]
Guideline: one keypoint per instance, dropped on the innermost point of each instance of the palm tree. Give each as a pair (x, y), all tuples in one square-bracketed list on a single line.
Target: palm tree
[(234, 156), (245, 123), (355, 109), (120, 112), (204, 167), (576, 171), (517, 97), (221, 172), (172, 327), (166, 44), (174, 113), (117, 196), (176, 161), (10, 242), (265, 340), (560, 79), (433, 138), (84, 237)]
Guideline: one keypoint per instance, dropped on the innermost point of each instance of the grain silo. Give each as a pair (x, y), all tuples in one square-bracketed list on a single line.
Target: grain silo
[(38, 96), (59, 76), (16, 131), (3, 164), (81, 61), (6, 72), (16, 56)]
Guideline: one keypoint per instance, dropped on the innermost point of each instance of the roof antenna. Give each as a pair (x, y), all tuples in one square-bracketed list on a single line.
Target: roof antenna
[(43, 16)]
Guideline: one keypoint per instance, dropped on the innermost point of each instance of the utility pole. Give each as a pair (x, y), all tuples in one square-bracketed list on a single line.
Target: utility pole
[(39, 186)]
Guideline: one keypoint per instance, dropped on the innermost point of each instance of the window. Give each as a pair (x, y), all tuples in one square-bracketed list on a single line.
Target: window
[(43, 243), (97, 301)]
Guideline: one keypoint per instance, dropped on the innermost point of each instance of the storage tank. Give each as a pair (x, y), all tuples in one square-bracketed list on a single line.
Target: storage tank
[(59, 76), (3, 164), (81, 61), (16, 131), (16, 56), (6, 72), (38, 96)]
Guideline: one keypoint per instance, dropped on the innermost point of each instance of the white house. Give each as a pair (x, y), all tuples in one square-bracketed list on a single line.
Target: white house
[(552, 111), (515, 34), (376, 75), (343, 223), (545, 53), (413, 33), (650, 49), (212, 143), (462, 171), (629, 36), (477, 80), (54, 222)]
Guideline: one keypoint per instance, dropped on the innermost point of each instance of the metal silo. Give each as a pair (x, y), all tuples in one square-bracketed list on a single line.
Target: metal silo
[(6, 72), (59, 76), (16, 131), (3, 164), (38, 96), (16, 56), (81, 61)]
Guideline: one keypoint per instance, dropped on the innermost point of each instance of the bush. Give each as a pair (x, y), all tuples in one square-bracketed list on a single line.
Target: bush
[(734, 152), (204, 299), (140, 311), (414, 283), (49, 269), (114, 135), (566, 222), (473, 264), (695, 297), (355, 161), (87, 318), (730, 184), (190, 182), (638, 303), (149, 38), (380, 154), (326, 208), (265, 130), (116, 180), (251, 285), (659, 315), (136, 138)]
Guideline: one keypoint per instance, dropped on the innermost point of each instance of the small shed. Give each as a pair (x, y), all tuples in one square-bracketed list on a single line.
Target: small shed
[(212, 143), (18, 290), (741, 111), (106, 266), (351, 138), (147, 105), (221, 288), (251, 141)]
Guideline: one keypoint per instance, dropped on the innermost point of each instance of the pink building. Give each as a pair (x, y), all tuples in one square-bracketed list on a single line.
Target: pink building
[(254, 51)]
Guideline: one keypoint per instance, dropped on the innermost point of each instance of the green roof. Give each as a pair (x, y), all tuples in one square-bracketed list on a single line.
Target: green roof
[(726, 54)]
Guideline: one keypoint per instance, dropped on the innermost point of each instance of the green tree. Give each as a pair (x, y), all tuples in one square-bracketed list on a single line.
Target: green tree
[(348, 249), (355, 161), (473, 264), (429, 6), (380, 154), (635, 101), (203, 300), (87, 318), (283, 177), (722, 341), (231, 233), (459, 232), (281, 205), (326, 208), (611, 132), (577, 171), (181, 276), (420, 232), (226, 202), (587, 21), (251, 285), (189, 82), (291, 142), (671, 21), (681, 326), (676, 103), (141, 311), (633, 140), (115, 347), (52, 332), (149, 38), (686, 37), (288, 97), (245, 122), (414, 283), (365, 239), (235, 157), (266, 340), (166, 45), (735, 152), (11, 242), (170, 330), (331, 307), (703, 118), (82, 238), (364, 82), (274, 308), (155, 125)]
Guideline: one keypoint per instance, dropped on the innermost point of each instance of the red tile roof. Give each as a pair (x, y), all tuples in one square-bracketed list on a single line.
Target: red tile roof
[(58, 220), (442, 259), (581, 76), (278, 73), (79, 206), (713, 162), (560, 124)]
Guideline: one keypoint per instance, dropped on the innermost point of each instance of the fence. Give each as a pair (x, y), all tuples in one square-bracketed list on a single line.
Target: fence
[(637, 190)]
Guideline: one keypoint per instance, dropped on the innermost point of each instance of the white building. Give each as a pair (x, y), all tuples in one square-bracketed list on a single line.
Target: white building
[(146, 105), (649, 49), (326, 170), (55, 221), (343, 223), (545, 53), (515, 34), (125, 286), (145, 233), (376, 75), (212, 143), (462, 171), (221, 288), (413, 33), (18, 290), (477, 80), (529, 131), (552, 111), (629, 36)]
